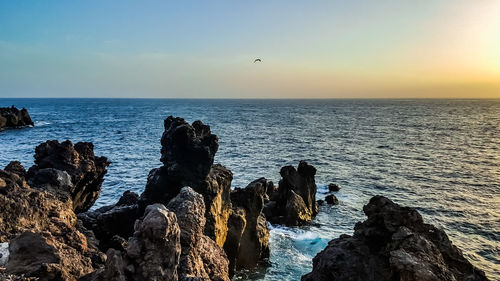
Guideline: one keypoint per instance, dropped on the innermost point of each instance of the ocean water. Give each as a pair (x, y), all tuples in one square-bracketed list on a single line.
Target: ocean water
[(439, 156)]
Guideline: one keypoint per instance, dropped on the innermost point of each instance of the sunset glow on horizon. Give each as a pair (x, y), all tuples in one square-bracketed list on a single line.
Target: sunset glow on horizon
[(316, 49)]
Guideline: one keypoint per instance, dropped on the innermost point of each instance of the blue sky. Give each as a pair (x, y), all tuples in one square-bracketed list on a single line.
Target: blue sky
[(443, 48)]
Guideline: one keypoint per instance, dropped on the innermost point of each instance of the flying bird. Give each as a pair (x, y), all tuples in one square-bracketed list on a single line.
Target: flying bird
[(257, 60)]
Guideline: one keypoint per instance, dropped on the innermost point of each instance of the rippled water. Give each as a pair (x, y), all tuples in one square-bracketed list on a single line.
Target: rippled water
[(440, 156)]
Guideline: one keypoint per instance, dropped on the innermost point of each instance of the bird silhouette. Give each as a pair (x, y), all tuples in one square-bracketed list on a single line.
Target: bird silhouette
[(257, 60)]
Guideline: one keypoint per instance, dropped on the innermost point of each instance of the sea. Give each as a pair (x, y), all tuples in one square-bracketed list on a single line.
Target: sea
[(441, 157)]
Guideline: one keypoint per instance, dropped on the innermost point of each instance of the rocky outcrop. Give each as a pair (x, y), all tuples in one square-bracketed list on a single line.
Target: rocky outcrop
[(112, 225), (200, 256), (40, 231), (294, 202), (187, 155), (70, 171), (152, 253), (332, 199), (247, 243), (392, 244), (11, 117), (333, 187)]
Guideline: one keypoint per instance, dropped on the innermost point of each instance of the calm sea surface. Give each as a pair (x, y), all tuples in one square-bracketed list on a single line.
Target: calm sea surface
[(440, 156)]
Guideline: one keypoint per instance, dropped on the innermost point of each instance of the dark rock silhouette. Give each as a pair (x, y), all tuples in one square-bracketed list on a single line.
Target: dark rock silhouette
[(247, 243), (113, 224), (294, 202), (392, 244), (187, 154), (332, 199), (70, 171), (11, 117), (333, 187)]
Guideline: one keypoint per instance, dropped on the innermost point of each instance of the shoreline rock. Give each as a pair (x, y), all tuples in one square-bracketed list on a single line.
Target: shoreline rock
[(72, 172), (393, 243), (294, 202), (11, 117)]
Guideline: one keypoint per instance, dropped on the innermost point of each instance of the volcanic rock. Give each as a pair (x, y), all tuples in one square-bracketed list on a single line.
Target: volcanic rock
[(72, 172), (152, 253), (294, 203), (248, 239), (200, 256), (392, 244), (333, 187), (187, 155), (332, 199), (11, 117)]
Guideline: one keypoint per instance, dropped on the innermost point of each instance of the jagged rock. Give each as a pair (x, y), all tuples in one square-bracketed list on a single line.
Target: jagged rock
[(25, 208), (392, 244), (38, 224), (110, 221), (216, 189), (155, 247), (332, 199), (294, 203), (53, 160), (16, 168), (42, 255), (248, 240), (13, 117), (200, 257), (333, 187), (152, 253), (188, 150), (187, 154)]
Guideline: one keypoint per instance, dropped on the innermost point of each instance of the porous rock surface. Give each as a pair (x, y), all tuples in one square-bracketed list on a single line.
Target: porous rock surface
[(11, 117), (294, 202), (392, 244), (72, 172), (187, 155)]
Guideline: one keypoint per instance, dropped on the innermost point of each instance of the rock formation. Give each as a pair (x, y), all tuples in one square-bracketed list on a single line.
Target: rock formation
[(40, 231), (200, 256), (392, 244), (71, 172), (247, 243), (11, 117), (152, 253), (113, 224), (187, 155), (333, 187), (332, 199), (294, 202)]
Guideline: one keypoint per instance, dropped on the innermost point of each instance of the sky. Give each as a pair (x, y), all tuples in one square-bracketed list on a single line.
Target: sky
[(206, 49)]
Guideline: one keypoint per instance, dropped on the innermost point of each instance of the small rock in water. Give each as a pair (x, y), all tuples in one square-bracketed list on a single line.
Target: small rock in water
[(332, 199), (333, 187), (320, 202)]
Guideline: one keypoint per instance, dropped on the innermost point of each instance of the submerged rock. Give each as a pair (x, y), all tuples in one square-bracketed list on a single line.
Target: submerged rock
[(247, 243), (392, 244), (332, 199), (11, 117), (294, 202), (71, 172)]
